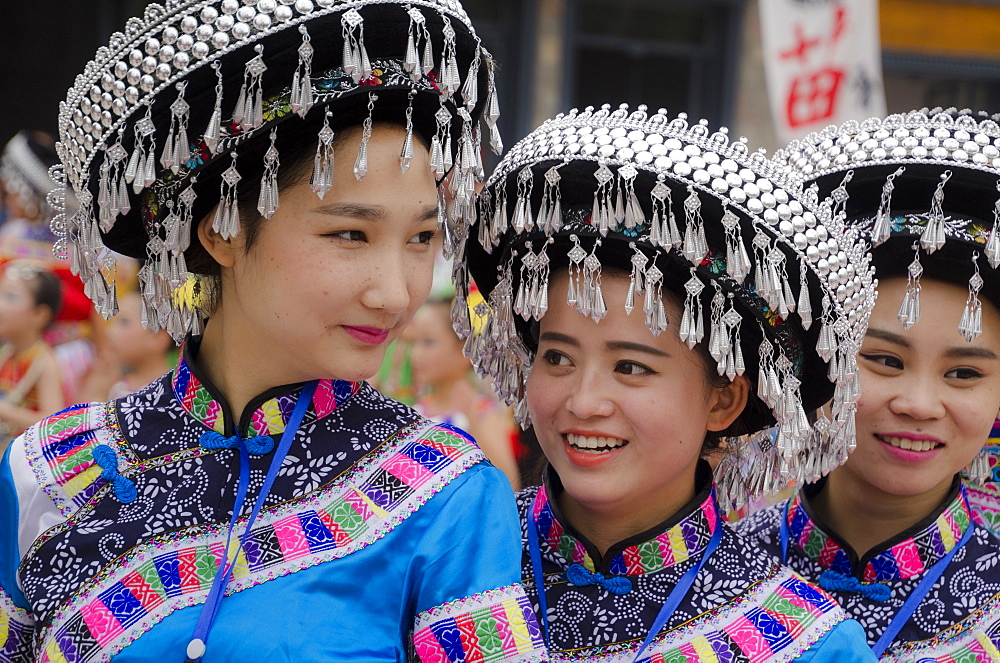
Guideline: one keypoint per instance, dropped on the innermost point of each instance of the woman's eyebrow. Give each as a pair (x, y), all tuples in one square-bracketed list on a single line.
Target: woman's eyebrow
[(636, 347), (355, 210), (958, 352), (889, 336), (556, 337)]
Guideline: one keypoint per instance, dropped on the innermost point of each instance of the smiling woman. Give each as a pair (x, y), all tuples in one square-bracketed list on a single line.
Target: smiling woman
[(893, 533), (628, 344), (262, 473)]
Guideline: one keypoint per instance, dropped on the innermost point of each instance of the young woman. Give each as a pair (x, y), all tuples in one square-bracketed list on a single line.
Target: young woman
[(449, 390), (260, 502), (890, 533), (30, 383), (646, 227)]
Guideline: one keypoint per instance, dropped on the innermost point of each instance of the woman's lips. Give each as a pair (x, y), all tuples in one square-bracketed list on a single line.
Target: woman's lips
[(368, 335), (910, 447), (591, 450)]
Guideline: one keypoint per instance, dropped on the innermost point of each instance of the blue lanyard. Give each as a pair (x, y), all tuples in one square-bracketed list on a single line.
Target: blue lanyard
[(677, 594), (915, 598), (196, 648)]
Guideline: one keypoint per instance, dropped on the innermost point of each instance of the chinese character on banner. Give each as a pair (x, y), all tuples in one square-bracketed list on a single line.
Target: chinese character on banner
[(823, 63)]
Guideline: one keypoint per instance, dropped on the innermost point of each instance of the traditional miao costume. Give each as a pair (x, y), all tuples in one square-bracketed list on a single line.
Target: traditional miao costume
[(924, 189), (353, 529), (686, 209)]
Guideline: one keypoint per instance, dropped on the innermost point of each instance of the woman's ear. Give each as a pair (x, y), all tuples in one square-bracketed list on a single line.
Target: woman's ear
[(728, 403), (223, 251)]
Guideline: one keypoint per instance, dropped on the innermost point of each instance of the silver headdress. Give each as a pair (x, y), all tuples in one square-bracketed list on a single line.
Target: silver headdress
[(925, 189), (678, 207), (189, 104), (24, 171)]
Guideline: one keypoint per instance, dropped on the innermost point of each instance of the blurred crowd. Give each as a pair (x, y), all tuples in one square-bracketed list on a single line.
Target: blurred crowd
[(56, 350)]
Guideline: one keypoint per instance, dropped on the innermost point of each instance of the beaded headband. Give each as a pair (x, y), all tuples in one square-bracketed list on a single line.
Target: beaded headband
[(923, 187), (761, 267), (149, 128)]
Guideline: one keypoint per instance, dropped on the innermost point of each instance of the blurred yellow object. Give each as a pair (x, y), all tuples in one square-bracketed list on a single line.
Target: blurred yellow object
[(189, 294), (478, 321)]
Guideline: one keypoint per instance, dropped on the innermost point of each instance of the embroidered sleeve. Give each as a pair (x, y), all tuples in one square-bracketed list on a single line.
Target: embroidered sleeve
[(985, 502), (16, 632), (469, 604), (496, 625), (60, 452)]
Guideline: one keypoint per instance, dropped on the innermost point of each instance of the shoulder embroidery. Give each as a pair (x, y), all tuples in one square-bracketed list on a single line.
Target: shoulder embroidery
[(16, 631), (975, 639), (60, 448), (497, 625), (142, 587)]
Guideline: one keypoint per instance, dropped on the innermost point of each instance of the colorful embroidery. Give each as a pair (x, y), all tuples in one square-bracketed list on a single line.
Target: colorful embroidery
[(677, 544), (905, 559), (270, 417), (60, 451), (16, 628), (975, 639), (171, 572), (497, 625)]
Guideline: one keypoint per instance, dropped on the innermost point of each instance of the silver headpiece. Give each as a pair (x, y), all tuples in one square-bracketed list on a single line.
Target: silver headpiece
[(194, 82), (761, 267)]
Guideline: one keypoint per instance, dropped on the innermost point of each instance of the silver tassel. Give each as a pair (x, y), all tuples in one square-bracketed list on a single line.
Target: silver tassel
[(840, 195), (226, 221), (933, 237), (909, 310), (268, 201), (213, 133), (301, 100), (804, 307), (692, 325), (355, 55), (971, 324), (993, 243), (576, 257), (601, 213), (322, 174), (695, 244), (883, 219), (594, 305), (737, 260), (493, 111), (249, 111), (406, 154), (635, 285), (411, 61), (361, 163), (522, 207), (550, 220), (176, 149), (656, 314)]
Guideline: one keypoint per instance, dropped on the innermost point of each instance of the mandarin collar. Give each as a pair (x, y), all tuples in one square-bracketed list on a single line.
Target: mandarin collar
[(910, 553), (682, 536), (265, 414)]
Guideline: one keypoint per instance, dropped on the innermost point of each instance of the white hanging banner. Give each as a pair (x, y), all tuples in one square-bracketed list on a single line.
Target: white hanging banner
[(823, 63)]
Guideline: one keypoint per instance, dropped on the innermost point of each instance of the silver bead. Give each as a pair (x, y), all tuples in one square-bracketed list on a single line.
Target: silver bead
[(132, 94), (107, 81), (224, 23), (809, 218), (919, 152), (682, 169), (189, 24), (152, 46), (625, 154), (106, 117), (262, 21), (185, 42), (209, 14), (755, 206), (121, 68), (283, 14), (119, 88), (118, 105), (737, 195), (163, 71), (303, 6), (106, 100), (266, 6), (85, 106), (149, 64), (220, 40), (241, 30), (166, 53), (771, 216), (200, 50), (230, 6), (182, 60), (204, 32), (245, 14), (752, 190), (325, 3), (701, 176), (800, 241)]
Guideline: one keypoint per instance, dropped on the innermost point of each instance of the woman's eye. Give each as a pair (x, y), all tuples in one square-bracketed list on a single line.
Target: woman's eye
[(888, 361), (555, 358), (963, 373), (632, 368), (349, 235), (425, 237)]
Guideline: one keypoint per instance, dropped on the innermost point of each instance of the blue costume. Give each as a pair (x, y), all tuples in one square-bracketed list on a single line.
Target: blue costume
[(742, 605), (370, 546), (958, 619)]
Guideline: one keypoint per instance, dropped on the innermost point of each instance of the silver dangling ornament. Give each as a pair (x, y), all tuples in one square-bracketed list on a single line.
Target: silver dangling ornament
[(322, 174)]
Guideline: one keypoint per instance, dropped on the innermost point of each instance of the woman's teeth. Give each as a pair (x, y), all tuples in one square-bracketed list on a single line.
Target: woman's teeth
[(594, 445), (909, 445)]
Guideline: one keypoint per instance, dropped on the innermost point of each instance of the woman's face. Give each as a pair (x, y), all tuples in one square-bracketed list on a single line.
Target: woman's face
[(436, 351), (19, 314), (928, 397), (330, 283), (620, 414), (128, 339)]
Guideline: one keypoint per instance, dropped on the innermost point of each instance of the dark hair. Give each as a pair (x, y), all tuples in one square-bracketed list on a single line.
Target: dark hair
[(44, 286)]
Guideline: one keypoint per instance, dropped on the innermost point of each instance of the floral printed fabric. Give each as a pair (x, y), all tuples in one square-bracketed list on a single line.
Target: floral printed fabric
[(960, 616)]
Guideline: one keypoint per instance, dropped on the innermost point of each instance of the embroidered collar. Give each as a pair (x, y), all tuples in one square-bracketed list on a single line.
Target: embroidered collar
[(908, 554), (683, 535), (266, 414)]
